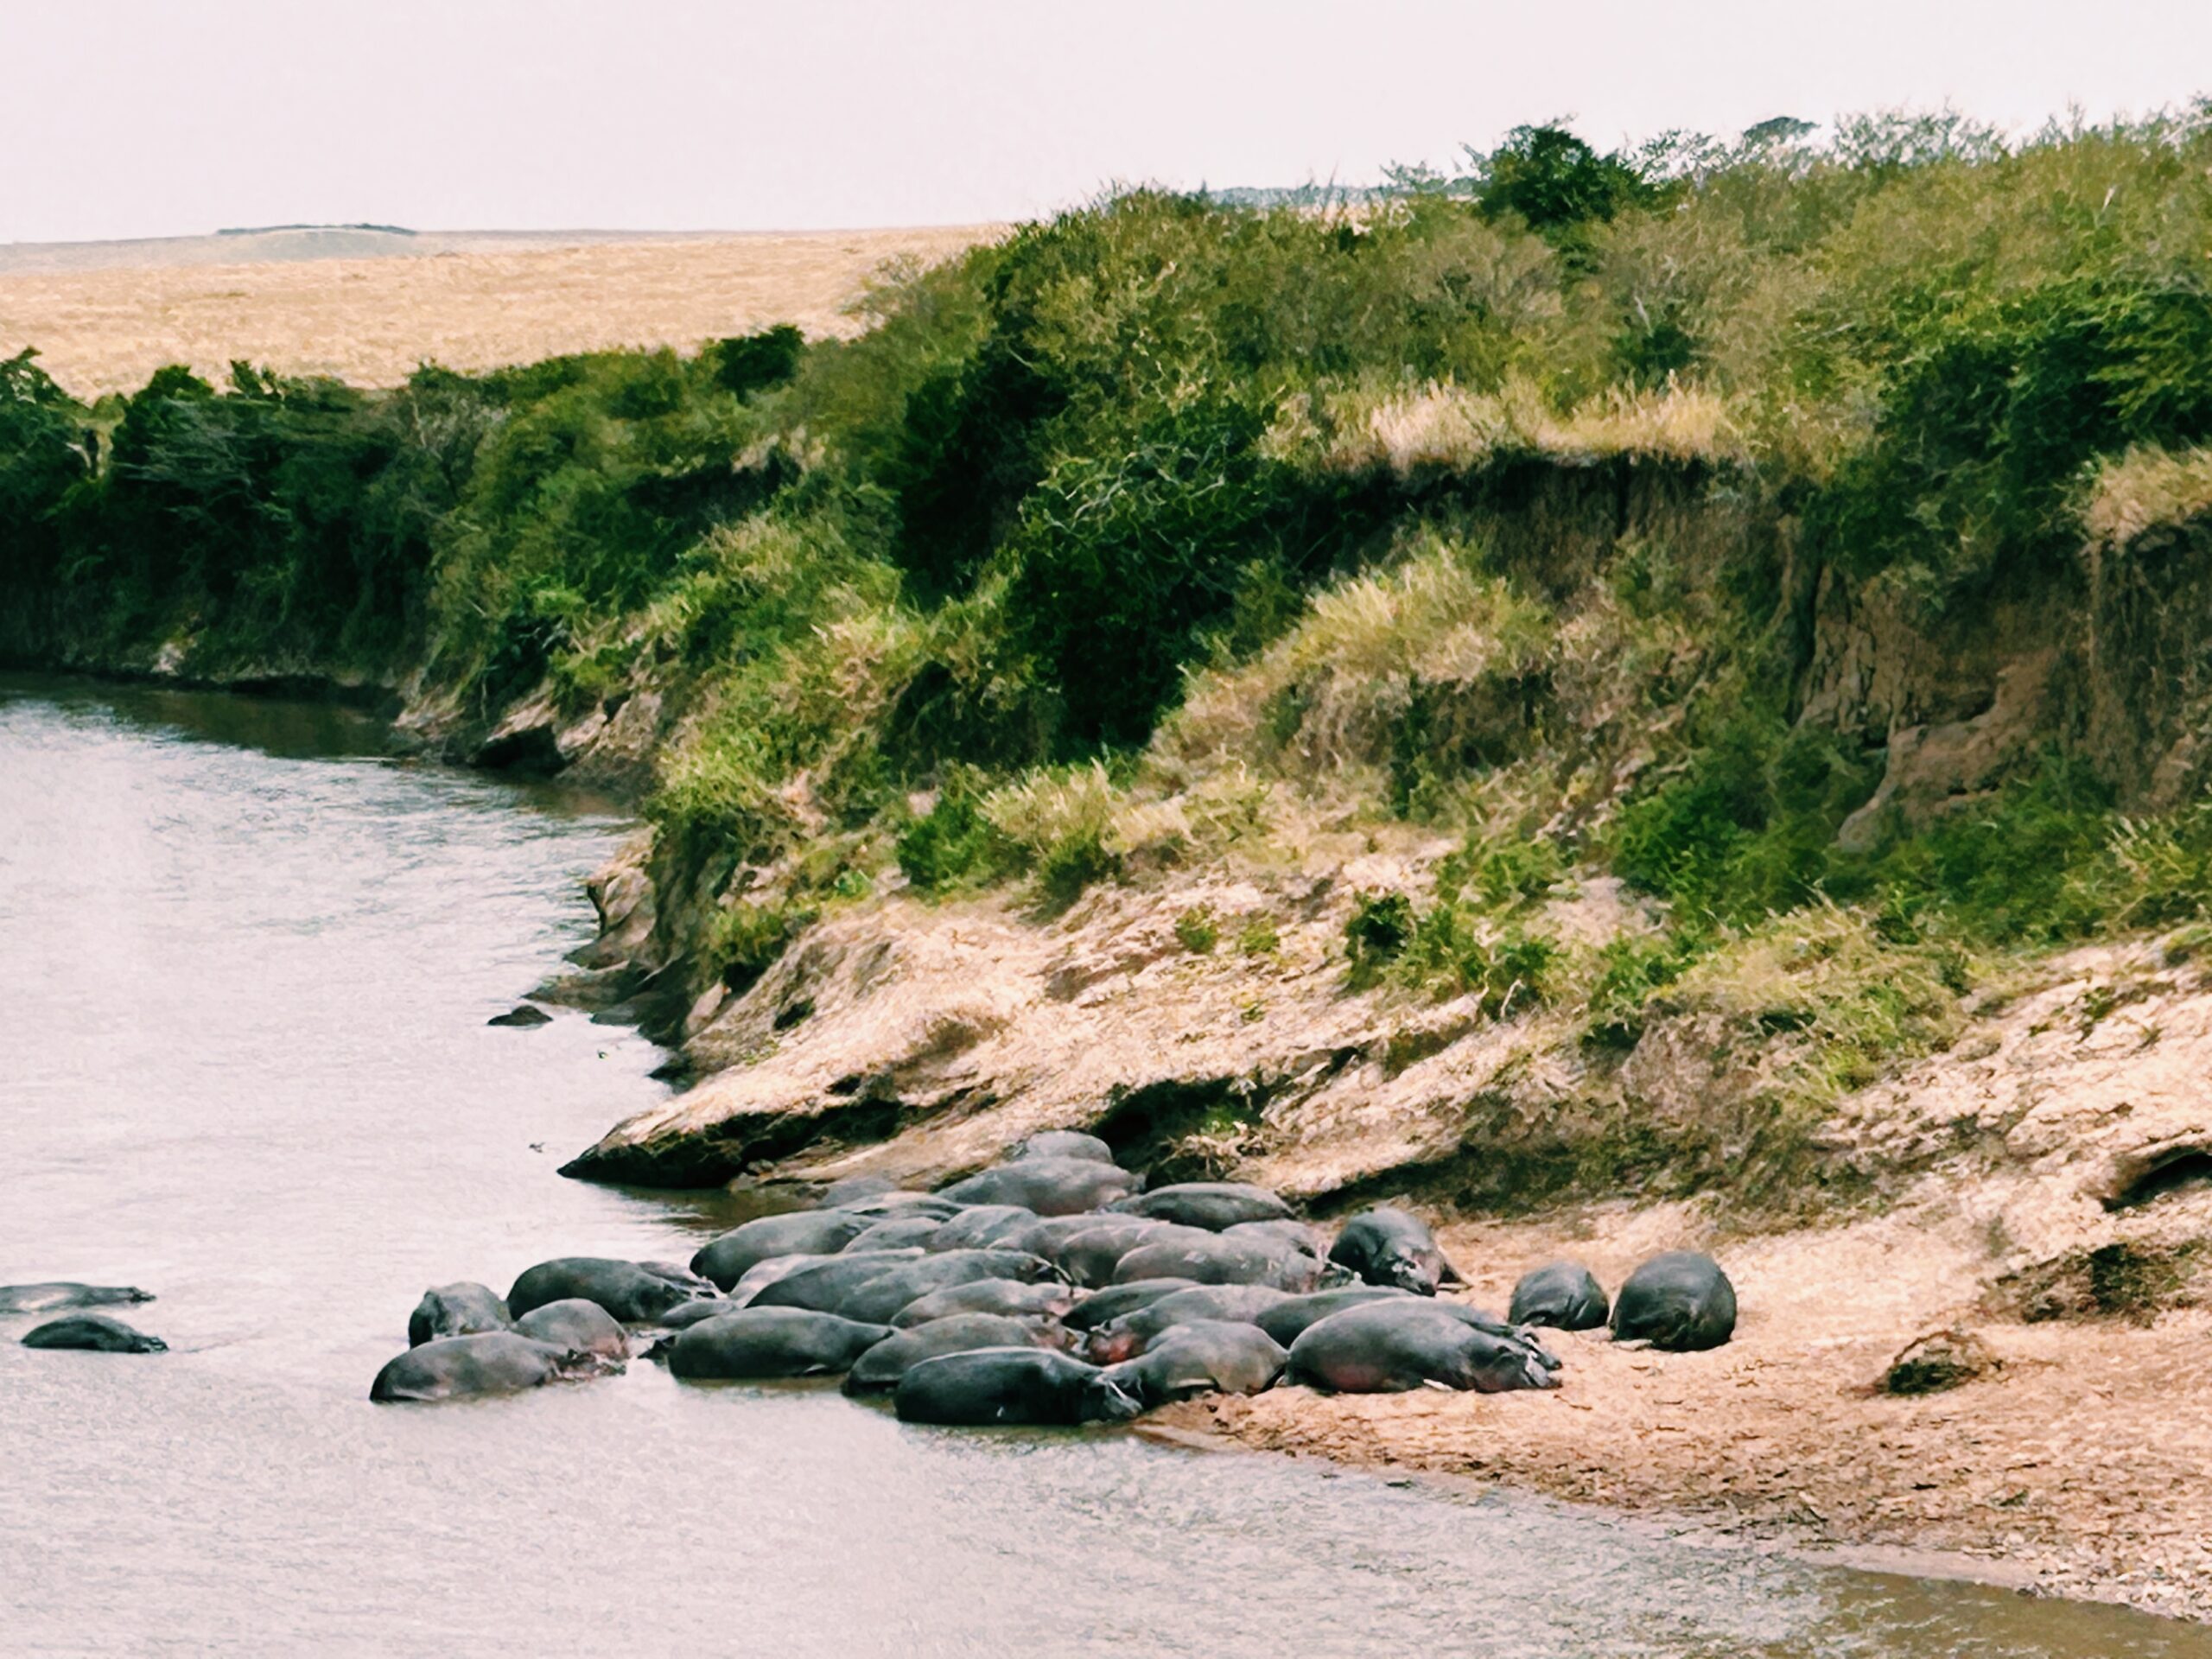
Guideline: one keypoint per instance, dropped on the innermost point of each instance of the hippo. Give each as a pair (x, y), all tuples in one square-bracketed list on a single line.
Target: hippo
[(1051, 1186), (491, 1362), (878, 1370), (1043, 1301), (807, 1232), (705, 1307), (1394, 1345), (761, 1274), (1564, 1295), (1063, 1143), (1288, 1318), (897, 1205), (987, 1386), (1090, 1258), (676, 1273), (1680, 1302), (460, 1309), (982, 1227), (771, 1342), (1103, 1307), (1210, 1204), (100, 1333), (1201, 1356), (633, 1294), (882, 1298), (1129, 1335), (54, 1297), (1216, 1259), (898, 1233), (1388, 1247), (821, 1285), (853, 1188), (574, 1323)]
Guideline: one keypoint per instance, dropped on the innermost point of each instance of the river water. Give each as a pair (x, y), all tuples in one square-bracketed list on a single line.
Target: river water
[(247, 961)]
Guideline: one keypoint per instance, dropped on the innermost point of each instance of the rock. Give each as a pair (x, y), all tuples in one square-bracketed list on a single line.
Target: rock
[(1940, 1360), (522, 1017)]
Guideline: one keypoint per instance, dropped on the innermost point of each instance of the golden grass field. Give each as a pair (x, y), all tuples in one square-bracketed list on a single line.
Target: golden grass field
[(371, 320)]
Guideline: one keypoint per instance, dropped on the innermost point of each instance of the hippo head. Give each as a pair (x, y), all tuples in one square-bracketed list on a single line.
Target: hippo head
[(1110, 1344), (1502, 1364), (1407, 1270), (659, 1296), (1107, 1400)]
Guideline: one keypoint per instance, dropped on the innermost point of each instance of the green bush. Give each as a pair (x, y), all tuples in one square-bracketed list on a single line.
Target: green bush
[(1196, 931)]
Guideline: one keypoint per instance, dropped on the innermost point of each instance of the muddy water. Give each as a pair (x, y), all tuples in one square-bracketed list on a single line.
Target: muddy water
[(245, 962)]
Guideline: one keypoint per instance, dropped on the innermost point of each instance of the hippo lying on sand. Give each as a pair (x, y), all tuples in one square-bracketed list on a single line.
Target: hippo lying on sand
[(1566, 1295), (1051, 1186), (991, 1386), (1063, 1143), (771, 1342), (494, 1362), (1388, 1347), (879, 1370), (898, 1233), (1203, 1356), (633, 1292), (1210, 1204), (1384, 1246), (982, 1227), (814, 1232), (98, 1333), (1286, 1320), (1680, 1302), (574, 1323), (882, 1298), (461, 1309), (1215, 1258), (53, 1298), (1103, 1307)]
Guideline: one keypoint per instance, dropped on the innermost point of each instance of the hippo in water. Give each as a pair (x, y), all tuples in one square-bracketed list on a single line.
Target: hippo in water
[(1384, 1246), (1681, 1301), (492, 1361), (1202, 1357), (1051, 1186), (882, 1298), (632, 1293), (1129, 1335), (982, 1227), (812, 1232), (1391, 1346), (1289, 1319), (988, 1386), (1044, 1300), (879, 1370), (54, 1297), (460, 1309), (1063, 1143), (1216, 1259), (705, 1308), (1103, 1307), (771, 1342), (1210, 1204), (574, 1323), (1564, 1295), (98, 1333)]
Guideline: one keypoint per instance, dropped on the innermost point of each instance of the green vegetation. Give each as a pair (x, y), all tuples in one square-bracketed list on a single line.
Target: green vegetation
[(1170, 529)]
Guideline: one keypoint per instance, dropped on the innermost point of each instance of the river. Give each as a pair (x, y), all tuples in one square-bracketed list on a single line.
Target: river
[(248, 961)]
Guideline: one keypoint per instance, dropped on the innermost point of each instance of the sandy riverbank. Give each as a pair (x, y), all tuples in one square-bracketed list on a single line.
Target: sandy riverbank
[(2082, 1468)]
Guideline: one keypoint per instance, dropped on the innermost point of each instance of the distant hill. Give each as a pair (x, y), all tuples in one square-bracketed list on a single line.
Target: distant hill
[(256, 244)]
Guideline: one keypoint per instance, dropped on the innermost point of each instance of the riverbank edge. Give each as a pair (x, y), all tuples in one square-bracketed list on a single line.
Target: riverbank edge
[(1886, 1560)]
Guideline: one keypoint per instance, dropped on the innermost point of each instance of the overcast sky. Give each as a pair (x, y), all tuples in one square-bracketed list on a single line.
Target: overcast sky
[(140, 118)]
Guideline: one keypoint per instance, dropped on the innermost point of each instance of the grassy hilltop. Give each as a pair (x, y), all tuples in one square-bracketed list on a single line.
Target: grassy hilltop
[(1634, 517)]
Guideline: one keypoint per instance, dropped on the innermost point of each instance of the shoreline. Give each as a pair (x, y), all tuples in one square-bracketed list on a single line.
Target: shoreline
[(2081, 1471)]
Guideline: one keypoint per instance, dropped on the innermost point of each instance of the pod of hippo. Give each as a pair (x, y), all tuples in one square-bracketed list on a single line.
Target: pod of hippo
[(1050, 1290)]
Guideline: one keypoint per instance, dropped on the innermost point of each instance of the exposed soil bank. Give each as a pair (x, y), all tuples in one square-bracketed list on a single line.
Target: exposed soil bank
[(2082, 1467)]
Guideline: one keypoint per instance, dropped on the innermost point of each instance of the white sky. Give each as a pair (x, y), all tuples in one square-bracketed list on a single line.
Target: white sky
[(141, 117)]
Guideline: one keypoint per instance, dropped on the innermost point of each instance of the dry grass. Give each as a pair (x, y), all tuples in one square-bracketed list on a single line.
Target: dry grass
[(1439, 427), (371, 321), (2146, 487)]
